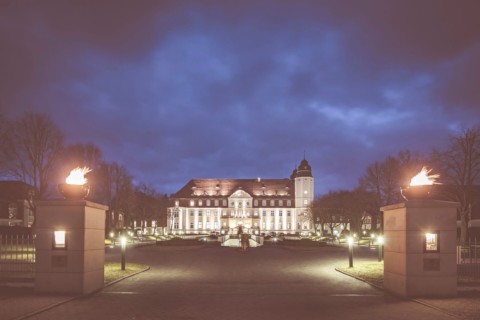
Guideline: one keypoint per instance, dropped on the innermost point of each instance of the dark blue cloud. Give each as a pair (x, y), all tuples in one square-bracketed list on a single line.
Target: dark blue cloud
[(181, 90)]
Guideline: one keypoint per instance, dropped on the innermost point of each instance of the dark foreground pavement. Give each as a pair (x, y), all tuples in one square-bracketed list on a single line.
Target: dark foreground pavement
[(223, 283)]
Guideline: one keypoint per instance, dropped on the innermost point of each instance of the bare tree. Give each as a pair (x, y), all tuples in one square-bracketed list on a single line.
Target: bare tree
[(145, 204), (32, 145), (384, 179), (459, 167), (327, 210), (116, 190)]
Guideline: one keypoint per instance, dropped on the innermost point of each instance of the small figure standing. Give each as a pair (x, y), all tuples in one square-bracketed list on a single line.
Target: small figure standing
[(243, 238)]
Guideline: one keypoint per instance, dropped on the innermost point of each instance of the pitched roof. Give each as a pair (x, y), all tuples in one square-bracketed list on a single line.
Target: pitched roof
[(226, 187), (14, 190)]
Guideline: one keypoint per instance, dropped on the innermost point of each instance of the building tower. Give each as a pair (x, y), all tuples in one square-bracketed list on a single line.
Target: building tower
[(303, 194)]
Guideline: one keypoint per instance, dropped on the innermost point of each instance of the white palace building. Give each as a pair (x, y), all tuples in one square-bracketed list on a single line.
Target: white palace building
[(259, 205)]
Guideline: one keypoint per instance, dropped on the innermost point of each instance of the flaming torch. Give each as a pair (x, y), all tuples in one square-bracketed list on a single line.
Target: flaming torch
[(420, 186), (76, 187)]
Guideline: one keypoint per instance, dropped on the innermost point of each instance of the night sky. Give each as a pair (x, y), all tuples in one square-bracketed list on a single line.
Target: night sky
[(241, 89)]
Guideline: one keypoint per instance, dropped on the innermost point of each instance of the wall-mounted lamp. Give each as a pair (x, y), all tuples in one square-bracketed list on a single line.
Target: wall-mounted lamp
[(59, 239), (431, 242)]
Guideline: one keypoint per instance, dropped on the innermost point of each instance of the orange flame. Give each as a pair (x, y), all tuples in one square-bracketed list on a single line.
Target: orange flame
[(422, 178), (77, 176)]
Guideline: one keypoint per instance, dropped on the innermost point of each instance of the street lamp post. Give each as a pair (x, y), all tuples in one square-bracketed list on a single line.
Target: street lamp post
[(123, 241), (380, 248), (350, 252)]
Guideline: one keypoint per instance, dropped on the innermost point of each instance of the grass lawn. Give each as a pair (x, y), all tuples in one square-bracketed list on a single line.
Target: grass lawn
[(368, 271), (372, 272), (113, 270)]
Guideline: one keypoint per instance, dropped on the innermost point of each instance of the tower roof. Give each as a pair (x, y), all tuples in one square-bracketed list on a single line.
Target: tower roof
[(304, 169)]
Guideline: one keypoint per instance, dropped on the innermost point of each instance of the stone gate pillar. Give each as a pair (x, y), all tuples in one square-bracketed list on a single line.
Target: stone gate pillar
[(420, 248), (70, 246)]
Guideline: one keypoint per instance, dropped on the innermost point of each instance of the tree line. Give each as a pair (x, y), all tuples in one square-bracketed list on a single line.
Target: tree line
[(457, 163), (32, 150)]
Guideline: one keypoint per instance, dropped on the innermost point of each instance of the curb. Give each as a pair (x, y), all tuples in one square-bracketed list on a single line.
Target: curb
[(361, 279), (120, 279), (56, 304)]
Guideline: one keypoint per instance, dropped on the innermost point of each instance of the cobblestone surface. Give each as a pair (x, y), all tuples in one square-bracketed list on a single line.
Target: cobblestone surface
[(223, 283)]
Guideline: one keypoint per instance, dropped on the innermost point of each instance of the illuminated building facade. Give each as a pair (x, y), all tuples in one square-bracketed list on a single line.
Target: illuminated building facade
[(259, 205)]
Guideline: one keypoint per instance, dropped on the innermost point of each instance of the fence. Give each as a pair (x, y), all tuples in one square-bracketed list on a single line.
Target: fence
[(468, 259), (17, 254)]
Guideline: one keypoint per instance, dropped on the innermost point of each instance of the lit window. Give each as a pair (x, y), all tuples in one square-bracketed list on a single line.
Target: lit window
[(176, 203), (256, 213), (208, 203), (12, 211), (305, 202), (192, 203), (200, 203), (272, 203), (305, 191), (200, 225)]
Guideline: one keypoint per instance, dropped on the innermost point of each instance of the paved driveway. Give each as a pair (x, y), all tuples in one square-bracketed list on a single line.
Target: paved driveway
[(224, 283)]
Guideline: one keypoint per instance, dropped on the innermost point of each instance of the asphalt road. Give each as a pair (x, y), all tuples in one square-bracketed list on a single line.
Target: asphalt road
[(211, 282)]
